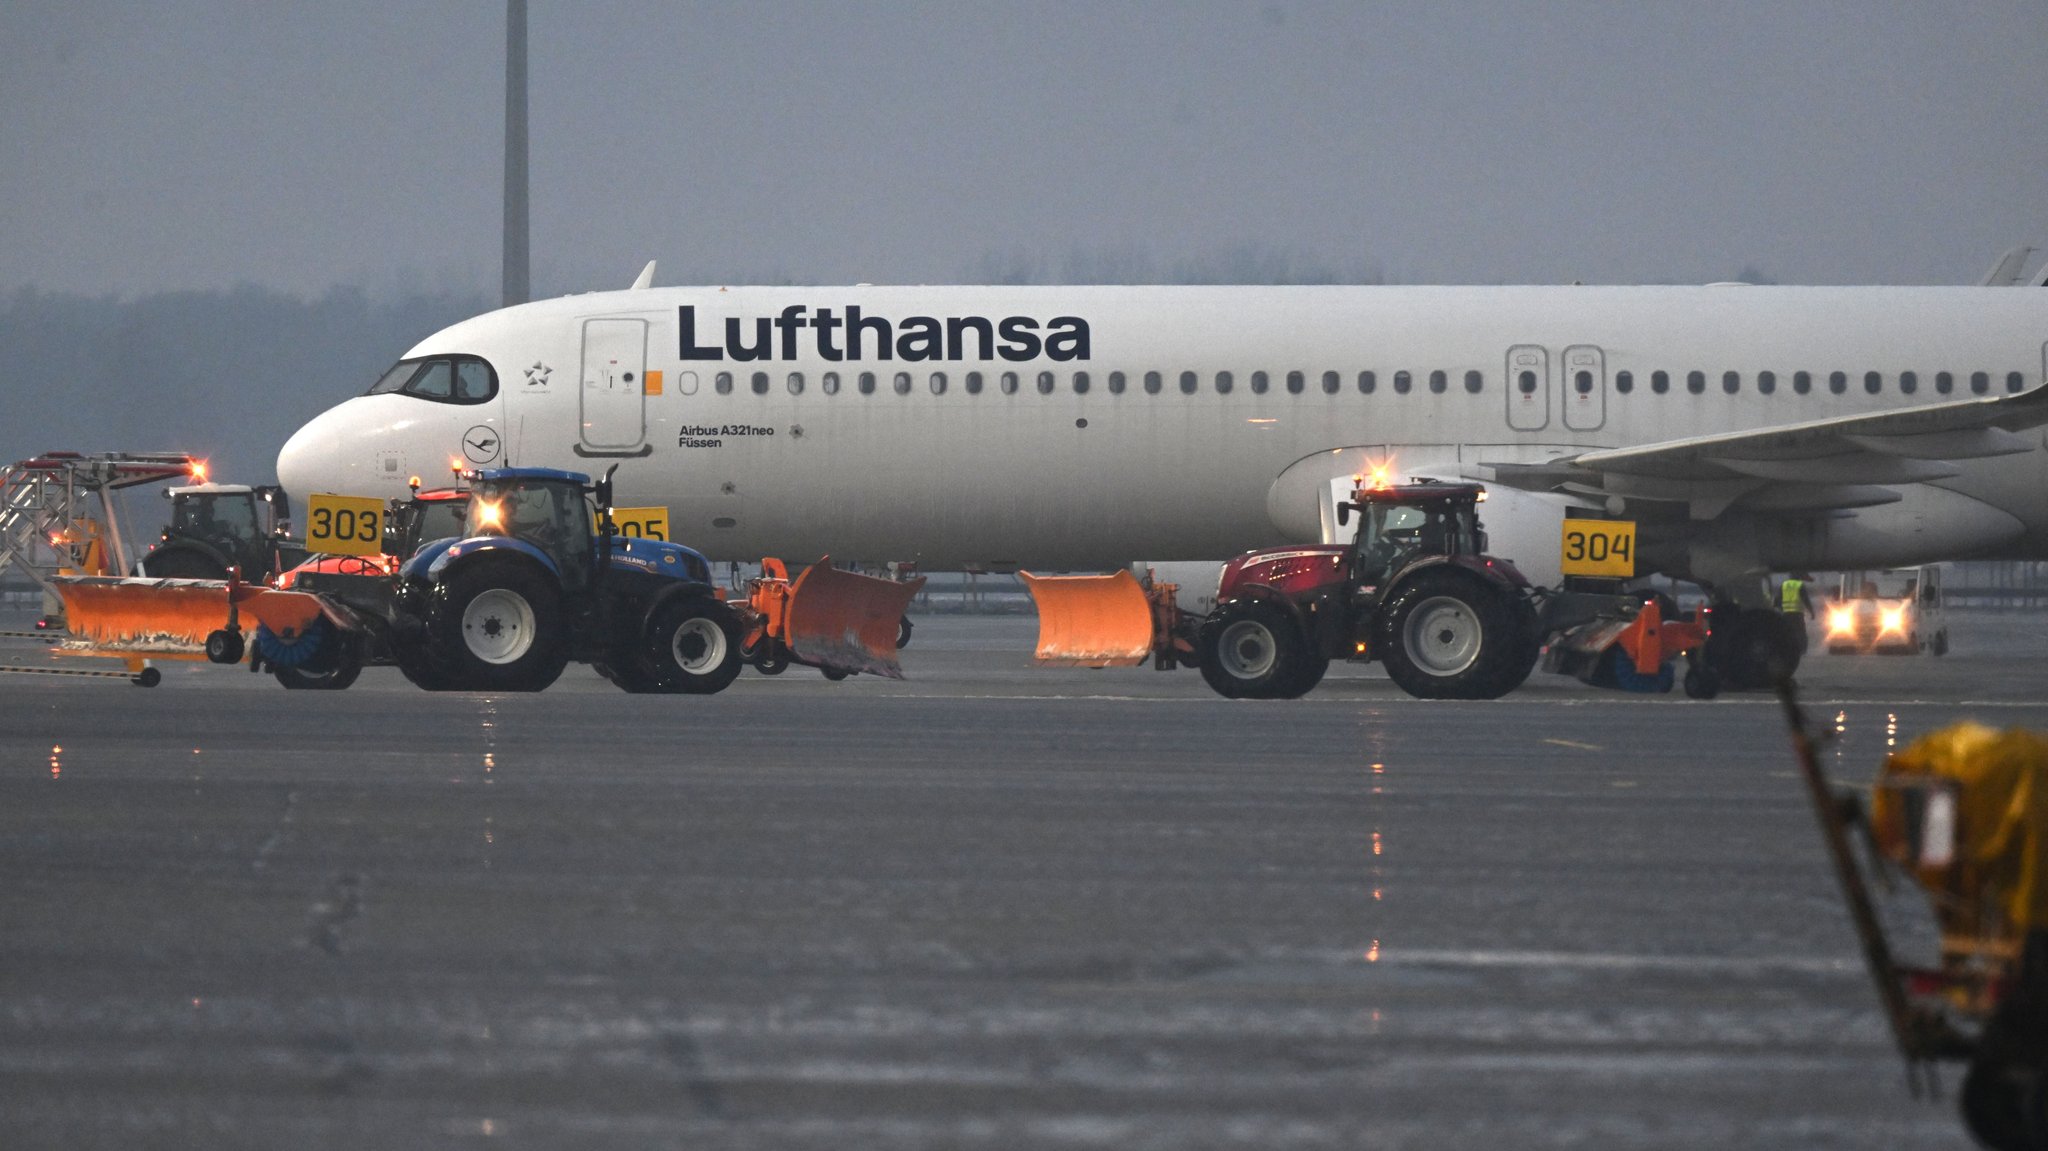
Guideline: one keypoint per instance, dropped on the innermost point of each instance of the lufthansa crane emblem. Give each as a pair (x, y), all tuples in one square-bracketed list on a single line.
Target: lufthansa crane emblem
[(480, 444)]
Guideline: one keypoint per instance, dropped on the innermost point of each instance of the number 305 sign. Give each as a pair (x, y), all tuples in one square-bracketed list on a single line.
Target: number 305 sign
[(344, 525), (1600, 548)]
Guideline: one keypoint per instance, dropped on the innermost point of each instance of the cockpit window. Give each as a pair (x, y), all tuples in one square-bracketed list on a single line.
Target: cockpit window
[(443, 379)]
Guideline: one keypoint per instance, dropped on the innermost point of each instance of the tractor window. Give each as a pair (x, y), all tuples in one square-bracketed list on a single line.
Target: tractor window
[(550, 516), (215, 517), (1387, 535)]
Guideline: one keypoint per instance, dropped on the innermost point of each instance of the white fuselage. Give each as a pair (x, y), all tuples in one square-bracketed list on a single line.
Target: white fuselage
[(1089, 472)]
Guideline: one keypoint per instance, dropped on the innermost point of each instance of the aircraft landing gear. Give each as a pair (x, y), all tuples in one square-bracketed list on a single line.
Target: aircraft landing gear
[(1750, 649)]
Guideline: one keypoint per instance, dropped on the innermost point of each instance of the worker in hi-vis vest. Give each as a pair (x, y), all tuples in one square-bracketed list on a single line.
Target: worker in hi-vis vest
[(1796, 602)]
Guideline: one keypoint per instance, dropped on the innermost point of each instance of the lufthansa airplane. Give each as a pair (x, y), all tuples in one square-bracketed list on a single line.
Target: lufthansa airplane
[(1744, 429)]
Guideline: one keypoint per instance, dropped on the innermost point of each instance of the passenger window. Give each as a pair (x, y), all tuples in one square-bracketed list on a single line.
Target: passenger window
[(1223, 383), (1731, 382), (1188, 383), (973, 383), (902, 383), (1045, 383), (1802, 382), (1660, 382), (1980, 382), (1838, 382), (1332, 383), (867, 383), (796, 383), (1525, 381), (1438, 381), (1944, 382), (1582, 382), (1873, 382), (829, 383), (938, 383), (1474, 382), (1402, 382), (2015, 382), (1116, 383), (1153, 382), (759, 381), (1009, 383), (1080, 383), (1767, 382), (1696, 383), (1259, 382), (722, 383), (1295, 383), (1367, 381), (1624, 382), (1909, 382)]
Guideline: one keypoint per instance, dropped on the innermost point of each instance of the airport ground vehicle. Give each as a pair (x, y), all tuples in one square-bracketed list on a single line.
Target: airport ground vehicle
[(326, 657), (1898, 612), (1415, 589), (1961, 813), (218, 527), (535, 577)]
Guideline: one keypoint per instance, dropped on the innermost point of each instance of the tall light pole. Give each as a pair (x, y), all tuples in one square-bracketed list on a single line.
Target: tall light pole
[(517, 284)]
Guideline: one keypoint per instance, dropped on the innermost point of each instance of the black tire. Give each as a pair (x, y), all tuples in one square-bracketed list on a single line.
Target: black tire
[(1314, 665), (1993, 1107), (1941, 642), (183, 563), (1448, 634), (334, 673), (225, 646), (420, 670), (770, 657), (903, 630), (1755, 648), (835, 674), (693, 647), (1252, 649), (497, 626), (1701, 682)]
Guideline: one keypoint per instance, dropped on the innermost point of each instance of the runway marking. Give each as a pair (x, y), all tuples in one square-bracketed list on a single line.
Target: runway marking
[(1614, 961), (1573, 743)]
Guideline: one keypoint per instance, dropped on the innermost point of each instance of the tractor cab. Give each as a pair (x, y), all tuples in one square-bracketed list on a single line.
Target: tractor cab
[(544, 508), (1400, 524), (216, 527)]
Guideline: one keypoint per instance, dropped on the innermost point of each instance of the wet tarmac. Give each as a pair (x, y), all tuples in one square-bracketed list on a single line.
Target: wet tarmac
[(992, 906)]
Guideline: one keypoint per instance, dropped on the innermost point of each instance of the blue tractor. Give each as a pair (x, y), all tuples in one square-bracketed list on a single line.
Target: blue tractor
[(539, 578)]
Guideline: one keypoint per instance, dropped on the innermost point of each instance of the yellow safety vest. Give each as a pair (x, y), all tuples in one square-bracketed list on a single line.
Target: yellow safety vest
[(1788, 595)]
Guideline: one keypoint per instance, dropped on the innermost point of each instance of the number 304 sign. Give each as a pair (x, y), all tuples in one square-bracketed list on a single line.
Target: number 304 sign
[(344, 525), (1600, 548)]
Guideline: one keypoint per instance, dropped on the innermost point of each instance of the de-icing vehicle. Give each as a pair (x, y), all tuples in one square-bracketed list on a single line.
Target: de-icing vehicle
[(1896, 612)]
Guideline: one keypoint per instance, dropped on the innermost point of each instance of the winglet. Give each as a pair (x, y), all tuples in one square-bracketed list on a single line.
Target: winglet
[(2006, 272), (646, 277)]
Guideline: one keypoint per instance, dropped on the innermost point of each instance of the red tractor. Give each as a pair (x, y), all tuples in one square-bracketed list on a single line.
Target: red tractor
[(1415, 590)]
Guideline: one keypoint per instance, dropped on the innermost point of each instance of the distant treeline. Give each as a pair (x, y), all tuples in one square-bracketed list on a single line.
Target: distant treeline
[(224, 374)]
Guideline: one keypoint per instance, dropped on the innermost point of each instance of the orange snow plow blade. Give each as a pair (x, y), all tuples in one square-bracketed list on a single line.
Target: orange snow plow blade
[(1091, 620), (846, 621), (174, 616)]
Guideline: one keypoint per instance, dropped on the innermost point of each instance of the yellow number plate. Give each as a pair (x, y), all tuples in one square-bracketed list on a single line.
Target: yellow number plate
[(1600, 548), (641, 523), (344, 525)]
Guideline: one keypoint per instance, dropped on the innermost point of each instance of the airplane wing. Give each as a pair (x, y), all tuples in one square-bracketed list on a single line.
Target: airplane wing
[(1816, 466)]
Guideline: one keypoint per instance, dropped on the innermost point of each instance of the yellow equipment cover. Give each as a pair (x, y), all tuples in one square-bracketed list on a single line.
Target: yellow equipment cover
[(1091, 620), (1965, 810)]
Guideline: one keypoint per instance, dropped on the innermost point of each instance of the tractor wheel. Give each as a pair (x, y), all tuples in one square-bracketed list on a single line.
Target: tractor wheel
[(1253, 650), (420, 670), (694, 647), (1994, 1108), (183, 563), (1313, 665), (1754, 648), (499, 627), (1445, 634)]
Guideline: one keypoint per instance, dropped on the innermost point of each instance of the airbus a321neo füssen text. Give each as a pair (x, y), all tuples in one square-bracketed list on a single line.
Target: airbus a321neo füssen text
[(1745, 430)]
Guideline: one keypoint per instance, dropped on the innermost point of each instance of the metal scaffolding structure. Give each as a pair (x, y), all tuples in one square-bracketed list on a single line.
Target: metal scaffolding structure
[(58, 511)]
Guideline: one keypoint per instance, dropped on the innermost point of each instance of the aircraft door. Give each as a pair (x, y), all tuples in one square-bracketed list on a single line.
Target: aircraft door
[(1528, 388), (1585, 388), (612, 402)]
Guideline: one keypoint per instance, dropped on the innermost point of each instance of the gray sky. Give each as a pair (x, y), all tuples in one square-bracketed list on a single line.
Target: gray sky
[(148, 147)]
